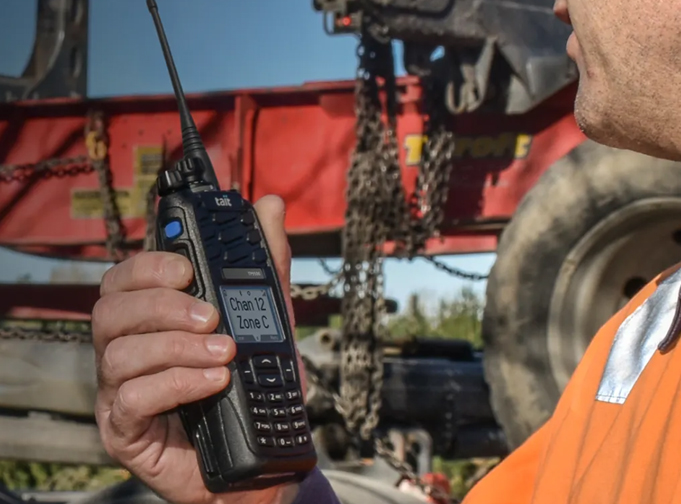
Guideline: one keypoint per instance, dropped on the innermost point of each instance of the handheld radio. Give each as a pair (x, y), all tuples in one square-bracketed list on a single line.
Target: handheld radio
[(255, 433)]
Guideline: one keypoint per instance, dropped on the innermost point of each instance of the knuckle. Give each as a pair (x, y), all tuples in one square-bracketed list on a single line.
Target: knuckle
[(127, 399), (102, 312), (111, 361), (146, 266), (166, 304), (108, 280), (176, 347), (179, 383)]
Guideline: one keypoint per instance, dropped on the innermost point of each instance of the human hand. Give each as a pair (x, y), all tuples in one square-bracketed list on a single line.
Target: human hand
[(154, 351)]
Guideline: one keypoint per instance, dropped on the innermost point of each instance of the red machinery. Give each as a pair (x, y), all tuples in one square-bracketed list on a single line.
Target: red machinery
[(521, 166)]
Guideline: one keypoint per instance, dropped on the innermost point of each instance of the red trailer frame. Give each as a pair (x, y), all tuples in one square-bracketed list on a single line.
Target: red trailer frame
[(292, 141)]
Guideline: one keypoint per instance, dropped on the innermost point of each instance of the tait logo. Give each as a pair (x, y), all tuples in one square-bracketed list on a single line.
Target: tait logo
[(224, 201)]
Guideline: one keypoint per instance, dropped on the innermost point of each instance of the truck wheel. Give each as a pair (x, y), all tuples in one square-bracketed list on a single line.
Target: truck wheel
[(597, 227)]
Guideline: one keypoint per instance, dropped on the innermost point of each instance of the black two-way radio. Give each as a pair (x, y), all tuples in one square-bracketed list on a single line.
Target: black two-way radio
[(255, 433)]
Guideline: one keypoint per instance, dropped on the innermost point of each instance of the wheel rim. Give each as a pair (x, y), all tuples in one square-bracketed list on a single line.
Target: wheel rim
[(606, 268)]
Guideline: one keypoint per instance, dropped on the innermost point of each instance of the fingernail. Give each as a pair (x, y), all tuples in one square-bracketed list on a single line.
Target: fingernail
[(217, 344), (174, 268), (201, 311), (215, 374)]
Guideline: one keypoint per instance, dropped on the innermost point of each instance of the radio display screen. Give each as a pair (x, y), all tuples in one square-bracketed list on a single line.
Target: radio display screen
[(252, 315)]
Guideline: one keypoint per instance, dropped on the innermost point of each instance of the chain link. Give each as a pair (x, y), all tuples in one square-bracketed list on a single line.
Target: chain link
[(49, 168), (312, 292), (466, 275)]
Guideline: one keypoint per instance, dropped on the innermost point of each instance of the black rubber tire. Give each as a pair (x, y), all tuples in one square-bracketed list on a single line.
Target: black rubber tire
[(573, 196)]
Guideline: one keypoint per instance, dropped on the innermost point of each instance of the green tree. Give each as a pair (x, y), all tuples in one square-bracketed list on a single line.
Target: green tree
[(455, 318)]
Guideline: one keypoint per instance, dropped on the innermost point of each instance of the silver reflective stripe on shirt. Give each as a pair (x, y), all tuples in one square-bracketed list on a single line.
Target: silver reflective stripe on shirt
[(636, 341)]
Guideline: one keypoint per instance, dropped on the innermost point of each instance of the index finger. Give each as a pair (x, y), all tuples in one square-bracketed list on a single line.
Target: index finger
[(148, 270)]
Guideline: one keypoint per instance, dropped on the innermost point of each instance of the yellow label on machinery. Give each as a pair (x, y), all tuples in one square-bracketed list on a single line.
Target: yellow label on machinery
[(502, 146), (131, 201)]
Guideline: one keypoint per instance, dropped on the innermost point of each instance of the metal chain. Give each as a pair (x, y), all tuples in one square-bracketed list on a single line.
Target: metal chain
[(97, 142), (97, 160), (49, 168), (378, 211), (374, 198), (432, 184), (311, 292), (466, 275)]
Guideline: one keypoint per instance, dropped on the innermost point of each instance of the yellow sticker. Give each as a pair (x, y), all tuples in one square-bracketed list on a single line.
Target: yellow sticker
[(503, 146), (87, 203), (131, 201)]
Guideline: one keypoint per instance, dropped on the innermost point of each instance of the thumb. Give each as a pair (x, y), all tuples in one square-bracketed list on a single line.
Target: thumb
[(271, 212)]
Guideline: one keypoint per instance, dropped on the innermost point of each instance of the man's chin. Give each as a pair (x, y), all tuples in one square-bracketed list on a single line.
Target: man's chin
[(618, 136)]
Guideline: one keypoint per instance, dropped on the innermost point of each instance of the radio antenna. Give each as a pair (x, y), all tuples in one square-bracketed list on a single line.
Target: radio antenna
[(192, 145)]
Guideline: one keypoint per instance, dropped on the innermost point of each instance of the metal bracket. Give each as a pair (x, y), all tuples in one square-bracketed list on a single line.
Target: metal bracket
[(58, 64), (467, 91)]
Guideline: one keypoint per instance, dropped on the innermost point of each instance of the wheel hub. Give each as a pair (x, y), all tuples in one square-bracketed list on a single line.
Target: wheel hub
[(606, 268)]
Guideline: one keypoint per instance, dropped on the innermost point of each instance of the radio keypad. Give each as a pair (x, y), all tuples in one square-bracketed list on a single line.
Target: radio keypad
[(278, 415), (272, 388)]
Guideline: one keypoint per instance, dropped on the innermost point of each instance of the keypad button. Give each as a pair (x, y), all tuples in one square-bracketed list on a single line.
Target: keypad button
[(248, 219), (213, 251), (253, 237), (284, 442), (207, 232), (287, 368), (282, 427), (256, 396), (223, 217), (275, 397), (296, 409), (259, 256), (270, 380), (202, 214), (248, 375), (262, 426), (278, 412), (292, 395), (298, 424), (237, 254), (266, 441), (228, 236), (302, 439), (264, 361), (258, 411)]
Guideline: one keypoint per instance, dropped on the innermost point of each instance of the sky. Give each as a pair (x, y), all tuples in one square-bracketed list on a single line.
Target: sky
[(217, 45)]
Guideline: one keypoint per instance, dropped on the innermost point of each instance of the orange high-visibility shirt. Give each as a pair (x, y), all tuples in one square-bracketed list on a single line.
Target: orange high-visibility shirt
[(615, 435)]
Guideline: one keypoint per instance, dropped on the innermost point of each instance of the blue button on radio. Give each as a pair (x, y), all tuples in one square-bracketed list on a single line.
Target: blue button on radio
[(173, 229)]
